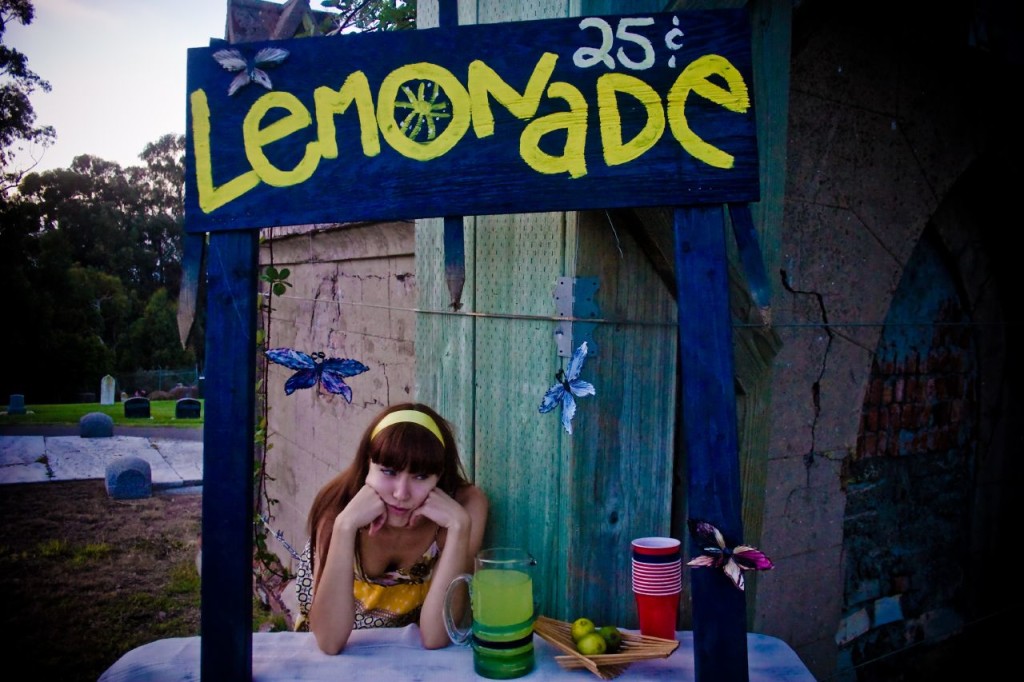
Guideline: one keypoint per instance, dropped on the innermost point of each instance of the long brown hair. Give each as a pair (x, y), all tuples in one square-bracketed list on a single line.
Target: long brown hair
[(400, 446)]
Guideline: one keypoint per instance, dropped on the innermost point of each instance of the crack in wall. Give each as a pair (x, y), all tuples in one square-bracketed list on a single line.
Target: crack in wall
[(816, 386)]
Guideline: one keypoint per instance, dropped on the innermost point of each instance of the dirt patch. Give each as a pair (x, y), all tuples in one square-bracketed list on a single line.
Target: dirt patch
[(87, 578)]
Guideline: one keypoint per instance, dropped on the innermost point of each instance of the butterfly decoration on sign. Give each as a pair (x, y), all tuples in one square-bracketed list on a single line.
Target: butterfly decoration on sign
[(733, 561), (567, 387), (315, 369), (250, 72)]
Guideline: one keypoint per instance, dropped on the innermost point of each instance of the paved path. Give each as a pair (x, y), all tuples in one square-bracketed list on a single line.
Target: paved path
[(55, 453)]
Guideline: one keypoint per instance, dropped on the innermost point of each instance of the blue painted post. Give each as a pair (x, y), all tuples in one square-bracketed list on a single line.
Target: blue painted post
[(708, 416), (454, 258), (226, 591), (454, 237)]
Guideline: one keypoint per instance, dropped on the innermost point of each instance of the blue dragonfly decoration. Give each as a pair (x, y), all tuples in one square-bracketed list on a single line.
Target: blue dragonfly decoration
[(567, 387), (316, 369), (250, 72)]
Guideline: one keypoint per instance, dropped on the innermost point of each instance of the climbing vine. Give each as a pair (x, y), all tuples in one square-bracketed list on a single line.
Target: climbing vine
[(268, 571)]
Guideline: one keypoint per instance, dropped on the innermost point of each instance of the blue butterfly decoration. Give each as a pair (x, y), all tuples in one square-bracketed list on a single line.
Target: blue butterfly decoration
[(317, 369), (567, 385)]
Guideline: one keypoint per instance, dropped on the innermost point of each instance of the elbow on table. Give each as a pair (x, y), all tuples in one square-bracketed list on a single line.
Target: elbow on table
[(435, 642), (331, 647)]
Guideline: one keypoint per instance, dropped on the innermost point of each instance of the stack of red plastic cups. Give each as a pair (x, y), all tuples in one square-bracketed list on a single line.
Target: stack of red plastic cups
[(657, 583)]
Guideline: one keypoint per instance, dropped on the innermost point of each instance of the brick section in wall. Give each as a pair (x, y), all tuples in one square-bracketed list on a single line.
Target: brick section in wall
[(909, 484)]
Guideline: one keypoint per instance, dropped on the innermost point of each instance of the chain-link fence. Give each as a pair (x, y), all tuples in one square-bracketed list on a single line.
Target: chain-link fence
[(160, 384)]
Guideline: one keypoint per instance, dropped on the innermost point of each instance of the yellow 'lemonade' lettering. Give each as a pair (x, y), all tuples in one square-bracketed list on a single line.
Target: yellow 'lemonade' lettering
[(694, 78), (328, 102), (211, 198), (435, 111), (574, 122), (392, 129), (484, 81), (255, 138), (615, 150)]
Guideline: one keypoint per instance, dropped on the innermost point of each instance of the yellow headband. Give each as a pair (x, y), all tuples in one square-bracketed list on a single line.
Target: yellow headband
[(414, 416)]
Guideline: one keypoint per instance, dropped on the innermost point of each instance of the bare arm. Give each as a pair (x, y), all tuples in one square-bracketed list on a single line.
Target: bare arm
[(464, 521), (332, 613)]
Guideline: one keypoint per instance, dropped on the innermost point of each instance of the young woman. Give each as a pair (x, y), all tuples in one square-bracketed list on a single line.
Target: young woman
[(388, 534)]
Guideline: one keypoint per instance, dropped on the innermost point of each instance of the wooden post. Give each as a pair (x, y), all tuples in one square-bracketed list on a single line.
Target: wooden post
[(226, 591), (708, 416), (454, 235)]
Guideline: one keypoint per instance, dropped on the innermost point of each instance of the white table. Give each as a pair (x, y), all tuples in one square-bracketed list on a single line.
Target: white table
[(396, 654)]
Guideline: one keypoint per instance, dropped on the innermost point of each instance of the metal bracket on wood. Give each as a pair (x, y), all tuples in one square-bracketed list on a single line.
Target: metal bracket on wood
[(575, 299)]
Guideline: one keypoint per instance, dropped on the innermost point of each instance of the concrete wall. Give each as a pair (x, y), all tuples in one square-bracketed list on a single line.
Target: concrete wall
[(352, 295), (877, 142)]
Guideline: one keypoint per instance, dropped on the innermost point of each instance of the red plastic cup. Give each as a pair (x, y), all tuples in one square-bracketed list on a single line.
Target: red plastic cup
[(657, 614), (656, 546)]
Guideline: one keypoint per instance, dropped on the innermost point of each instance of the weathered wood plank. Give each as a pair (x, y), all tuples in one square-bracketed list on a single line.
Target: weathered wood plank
[(623, 449), (228, 433), (445, 367)]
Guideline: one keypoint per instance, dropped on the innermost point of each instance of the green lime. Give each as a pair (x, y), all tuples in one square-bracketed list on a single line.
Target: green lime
[(612, 637), (591, 645), (581, 627)]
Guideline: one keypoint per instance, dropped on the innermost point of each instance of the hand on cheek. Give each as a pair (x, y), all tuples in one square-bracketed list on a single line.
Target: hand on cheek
[(378, 523)]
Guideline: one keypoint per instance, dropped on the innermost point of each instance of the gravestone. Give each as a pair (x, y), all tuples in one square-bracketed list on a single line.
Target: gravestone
[(96, 425), (136, 408), (129, 478), (187, 408), (107, 390), (17, 405)]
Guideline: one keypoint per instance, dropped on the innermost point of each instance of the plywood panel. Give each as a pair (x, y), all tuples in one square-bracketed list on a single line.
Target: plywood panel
[(445, 339), (521, 454)]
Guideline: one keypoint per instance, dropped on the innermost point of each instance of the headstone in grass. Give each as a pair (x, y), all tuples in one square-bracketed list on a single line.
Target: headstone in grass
[(129, 478), (17, 405), (136, 408), (187, 408), (96, 425), (107, 390)]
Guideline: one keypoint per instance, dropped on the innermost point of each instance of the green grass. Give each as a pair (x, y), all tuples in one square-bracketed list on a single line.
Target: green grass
[(161, 414)]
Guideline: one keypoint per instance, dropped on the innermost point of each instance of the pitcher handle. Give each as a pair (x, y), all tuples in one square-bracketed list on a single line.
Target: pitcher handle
[(457, 635)]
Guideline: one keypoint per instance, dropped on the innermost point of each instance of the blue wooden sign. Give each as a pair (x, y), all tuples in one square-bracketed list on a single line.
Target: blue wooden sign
[(563, 114)]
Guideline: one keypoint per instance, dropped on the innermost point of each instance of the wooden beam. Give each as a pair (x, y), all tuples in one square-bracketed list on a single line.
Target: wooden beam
[(228, 431), (708, 415)]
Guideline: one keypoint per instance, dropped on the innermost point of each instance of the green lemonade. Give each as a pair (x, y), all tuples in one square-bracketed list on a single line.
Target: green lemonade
[(502, 623), (502, 598)]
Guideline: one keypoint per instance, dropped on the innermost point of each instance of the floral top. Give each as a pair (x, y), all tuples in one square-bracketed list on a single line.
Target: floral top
[(393, 599), (390, 600)]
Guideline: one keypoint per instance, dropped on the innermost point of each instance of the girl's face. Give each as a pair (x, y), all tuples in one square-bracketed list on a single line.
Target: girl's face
[(401, 490)]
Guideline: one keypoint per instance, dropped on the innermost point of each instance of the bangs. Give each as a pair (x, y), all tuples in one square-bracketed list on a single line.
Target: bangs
[(408, 446)]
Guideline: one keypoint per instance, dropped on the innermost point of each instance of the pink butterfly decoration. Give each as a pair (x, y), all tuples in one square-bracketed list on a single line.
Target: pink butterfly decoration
[(733, 561)]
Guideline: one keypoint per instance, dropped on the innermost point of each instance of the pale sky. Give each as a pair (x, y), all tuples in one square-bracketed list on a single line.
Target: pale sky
[(117, 68)]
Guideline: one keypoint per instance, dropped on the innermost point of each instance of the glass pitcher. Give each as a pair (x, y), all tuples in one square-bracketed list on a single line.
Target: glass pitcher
[(503, 611)]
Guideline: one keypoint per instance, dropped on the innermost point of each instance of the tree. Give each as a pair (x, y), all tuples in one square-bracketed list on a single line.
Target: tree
[(361, 16), (84, 252), (161, 183), (17, 83), (152, 340)]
